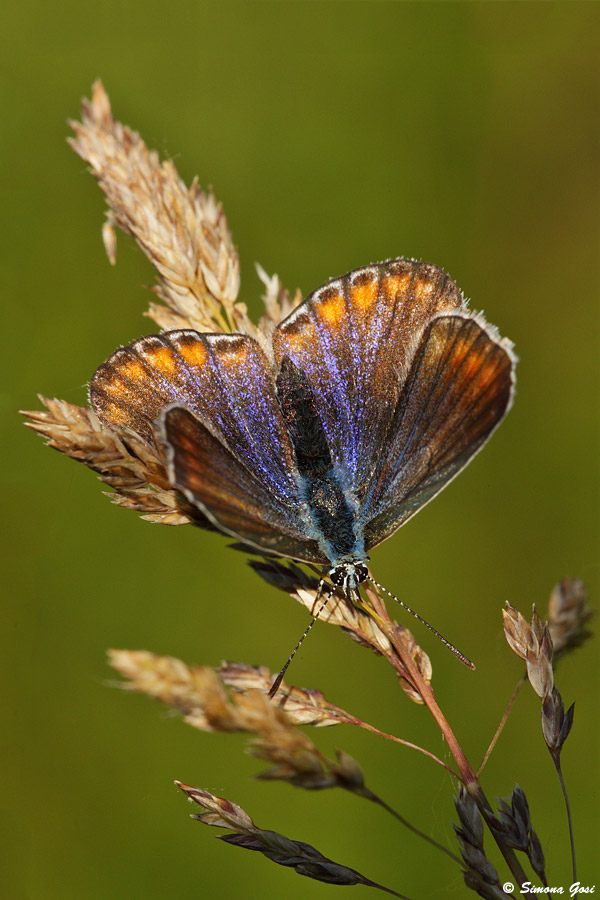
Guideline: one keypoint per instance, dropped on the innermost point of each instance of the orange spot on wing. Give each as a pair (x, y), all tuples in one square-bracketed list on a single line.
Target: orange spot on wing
[(113, 384), (298, 339), (490, 370), (470, 365), (114, 413), (422, 288), (161, 358), (364, 296), (133, 369), (297, 333), (395, 283), (193, 354), (331, 309)]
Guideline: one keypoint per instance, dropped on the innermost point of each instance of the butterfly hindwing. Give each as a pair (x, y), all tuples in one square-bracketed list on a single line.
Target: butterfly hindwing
[(458, 390), (208, 475)]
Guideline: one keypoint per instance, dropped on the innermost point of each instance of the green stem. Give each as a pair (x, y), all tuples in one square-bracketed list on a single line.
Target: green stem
[(556, 760), (503, 721)]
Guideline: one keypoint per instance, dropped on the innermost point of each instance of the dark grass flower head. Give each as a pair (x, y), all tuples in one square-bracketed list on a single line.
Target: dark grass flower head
[(303, 858)]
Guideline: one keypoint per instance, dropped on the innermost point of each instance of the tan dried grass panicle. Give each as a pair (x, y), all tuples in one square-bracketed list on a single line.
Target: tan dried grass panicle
[(199, 694), (568, 615), (277, 300), (133, 469), (368, 624), (218, 811), (532, 642), (188, 689), (196, 692), (183, 231), (541, 644), (303, 706), (421, 659)]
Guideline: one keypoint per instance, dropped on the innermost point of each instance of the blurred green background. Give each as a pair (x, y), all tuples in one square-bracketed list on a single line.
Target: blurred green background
[(335, 134)]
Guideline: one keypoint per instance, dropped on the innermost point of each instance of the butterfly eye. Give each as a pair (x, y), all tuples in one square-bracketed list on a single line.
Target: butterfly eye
[(338, 575), (362, 572)]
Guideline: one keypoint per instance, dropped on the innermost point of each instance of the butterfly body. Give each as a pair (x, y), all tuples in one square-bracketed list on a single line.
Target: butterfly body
[(372, 395), (332, 513)]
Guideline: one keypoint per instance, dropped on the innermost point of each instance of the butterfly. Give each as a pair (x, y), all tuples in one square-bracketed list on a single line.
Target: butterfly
[(319, 441)]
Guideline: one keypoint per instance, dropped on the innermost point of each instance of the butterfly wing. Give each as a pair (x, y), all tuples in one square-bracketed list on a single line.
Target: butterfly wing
[(460, 386), (208, 475), (407, 386), (355, 339), (226, 383)]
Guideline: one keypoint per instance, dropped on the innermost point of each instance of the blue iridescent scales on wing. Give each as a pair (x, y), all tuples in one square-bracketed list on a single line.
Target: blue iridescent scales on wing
[(377, 390)]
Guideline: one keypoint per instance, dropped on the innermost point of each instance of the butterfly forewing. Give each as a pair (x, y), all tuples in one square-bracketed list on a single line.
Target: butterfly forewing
[(225, 380), (354, 339)]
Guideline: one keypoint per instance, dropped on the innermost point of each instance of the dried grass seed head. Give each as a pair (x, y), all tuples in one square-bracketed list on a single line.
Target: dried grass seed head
[(568, 615), (531, 642), (183, 231)]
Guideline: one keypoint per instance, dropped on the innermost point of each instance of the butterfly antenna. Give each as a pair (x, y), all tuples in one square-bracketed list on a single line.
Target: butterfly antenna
[(276, 684), (467, 662)]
